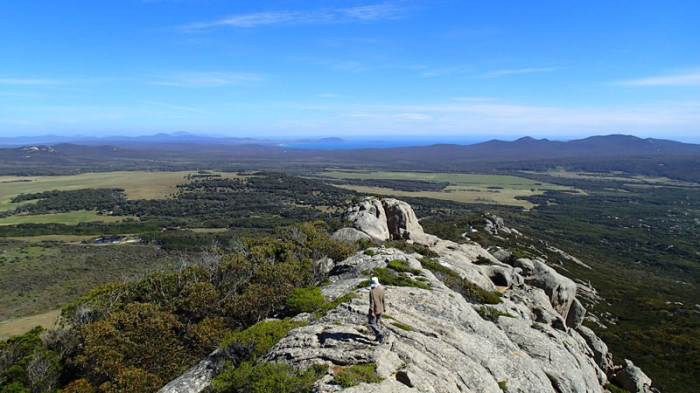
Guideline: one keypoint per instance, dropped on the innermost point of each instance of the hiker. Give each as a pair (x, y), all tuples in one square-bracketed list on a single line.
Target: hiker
[(376, 307)]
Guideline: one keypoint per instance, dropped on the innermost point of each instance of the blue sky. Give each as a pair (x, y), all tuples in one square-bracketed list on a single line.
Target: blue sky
[(442, 69)]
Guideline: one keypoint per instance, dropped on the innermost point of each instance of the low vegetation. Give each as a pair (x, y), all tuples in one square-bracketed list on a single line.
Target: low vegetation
[(178, 317), (454, 281), (357, 374), (492, 313)]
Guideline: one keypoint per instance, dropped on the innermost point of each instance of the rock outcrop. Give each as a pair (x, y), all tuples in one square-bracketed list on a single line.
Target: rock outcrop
[(369, 217), (439, 340)]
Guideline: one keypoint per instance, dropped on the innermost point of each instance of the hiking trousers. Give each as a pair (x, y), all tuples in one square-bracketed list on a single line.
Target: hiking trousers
[(374, 324)]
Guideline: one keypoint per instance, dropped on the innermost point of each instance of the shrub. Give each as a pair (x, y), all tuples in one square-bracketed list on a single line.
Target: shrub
[(454, 281), (335, 302), (388, 277), (402, 326), (492, 314), (357, 374), (268, 377), (502, 385), (262, 336), (401, 266), (307, 299)]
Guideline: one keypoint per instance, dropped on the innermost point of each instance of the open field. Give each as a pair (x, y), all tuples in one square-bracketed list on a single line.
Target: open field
[(23, 325), (617, 177), (72, 218), (465, 188), (53, 238), (137, 185)]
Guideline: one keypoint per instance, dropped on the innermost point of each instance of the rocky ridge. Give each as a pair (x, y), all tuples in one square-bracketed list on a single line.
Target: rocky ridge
[(441, 341)]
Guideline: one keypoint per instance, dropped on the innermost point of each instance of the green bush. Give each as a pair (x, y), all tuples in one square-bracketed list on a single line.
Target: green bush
[(615, 389), (268, 377), (307, 299), (357, 374), (401, 266), (402, 326), (262, 335), (492, 314), (335, 302), (502, 385)]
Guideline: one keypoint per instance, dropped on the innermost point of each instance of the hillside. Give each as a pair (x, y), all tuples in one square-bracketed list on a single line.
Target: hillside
[(448, 327), (623, 153)]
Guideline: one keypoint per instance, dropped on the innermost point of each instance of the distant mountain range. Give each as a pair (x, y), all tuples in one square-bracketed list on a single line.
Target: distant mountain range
[(151, 140), (183, 151)]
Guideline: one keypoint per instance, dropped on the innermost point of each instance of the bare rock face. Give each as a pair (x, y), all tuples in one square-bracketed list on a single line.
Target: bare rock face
[(387, 219), (198, 377), (350, 235), (561, 290), (438, 342), (436, 339), (370, 218), (602, 357), (401, 219), (632, 378), (576, 314)]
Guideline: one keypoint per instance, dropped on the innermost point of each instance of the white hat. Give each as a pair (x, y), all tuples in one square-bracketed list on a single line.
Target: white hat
[(373, 282)]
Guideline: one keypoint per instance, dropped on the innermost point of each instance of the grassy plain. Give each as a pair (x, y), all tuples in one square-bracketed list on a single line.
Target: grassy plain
[(71, 218), (22, 325), (137, 185), (463, 187)]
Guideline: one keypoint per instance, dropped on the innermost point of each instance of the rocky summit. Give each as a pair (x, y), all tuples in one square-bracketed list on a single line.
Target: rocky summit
[(441, 338)]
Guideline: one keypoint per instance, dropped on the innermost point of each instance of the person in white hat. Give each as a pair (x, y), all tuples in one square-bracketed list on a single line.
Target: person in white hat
[(376, 307)]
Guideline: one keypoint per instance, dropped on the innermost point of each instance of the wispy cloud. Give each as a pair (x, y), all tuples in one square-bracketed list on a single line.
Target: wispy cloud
[(31, 82), (367, 13), (685, 79), (497, 73), (329, 95), (206, 79)]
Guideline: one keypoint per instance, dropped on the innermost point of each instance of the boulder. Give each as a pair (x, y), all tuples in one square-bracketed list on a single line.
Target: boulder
[(198, 377), (350, 235), (525, 264), (501, 254), (576, 314), (369, 217), (602, 357), (401, 219), (561, 290), (500, 275), (632, 378)]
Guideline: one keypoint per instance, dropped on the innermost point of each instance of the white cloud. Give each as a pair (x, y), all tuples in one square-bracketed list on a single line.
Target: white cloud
[(368, 13), (329, 95), (497, 73), (206, 79), (687, 79)]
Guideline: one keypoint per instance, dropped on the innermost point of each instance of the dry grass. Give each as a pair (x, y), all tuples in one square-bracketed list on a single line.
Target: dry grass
[(71, 218), (137, 185), (463, 187), (23, 325)]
